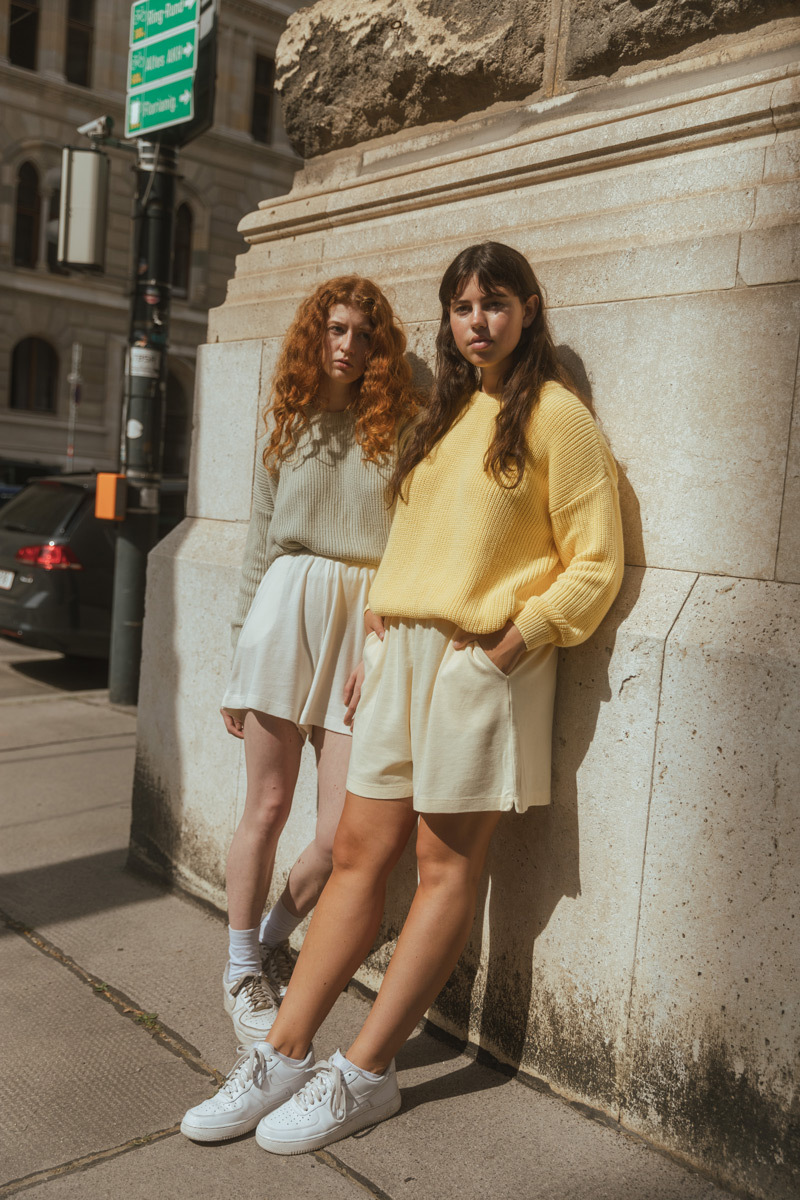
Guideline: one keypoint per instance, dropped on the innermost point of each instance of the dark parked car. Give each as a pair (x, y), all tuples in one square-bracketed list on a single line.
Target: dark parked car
[(57, 564)]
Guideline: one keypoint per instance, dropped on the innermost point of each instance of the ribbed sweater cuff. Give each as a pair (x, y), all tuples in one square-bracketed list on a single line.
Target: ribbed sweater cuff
[(535, 629)]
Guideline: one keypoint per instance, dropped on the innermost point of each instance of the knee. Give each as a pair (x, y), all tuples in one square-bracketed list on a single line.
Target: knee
[(266, 814), (355, 852), (446, 872)]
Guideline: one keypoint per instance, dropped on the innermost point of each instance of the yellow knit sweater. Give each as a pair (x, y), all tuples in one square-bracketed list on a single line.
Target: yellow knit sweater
[(547, 554)]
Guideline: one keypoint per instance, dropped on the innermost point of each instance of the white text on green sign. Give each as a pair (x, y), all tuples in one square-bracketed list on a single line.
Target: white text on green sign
[(171, 55), (159, 107), (152, 18)]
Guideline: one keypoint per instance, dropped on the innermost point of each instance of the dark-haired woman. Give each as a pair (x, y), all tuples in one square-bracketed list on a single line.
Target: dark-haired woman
[(506, 543), (317, 532)]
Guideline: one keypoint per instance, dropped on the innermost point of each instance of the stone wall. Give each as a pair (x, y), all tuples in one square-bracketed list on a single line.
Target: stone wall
[(636, 945), (351, 70)]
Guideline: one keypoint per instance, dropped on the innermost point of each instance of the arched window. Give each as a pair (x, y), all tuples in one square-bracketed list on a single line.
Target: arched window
[(23, 33), (53, 205), (182, 251), (26, 217), (80, 35), (34, 376)]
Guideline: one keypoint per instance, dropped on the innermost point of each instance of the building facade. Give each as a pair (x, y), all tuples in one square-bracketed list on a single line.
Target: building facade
[(63, 63)]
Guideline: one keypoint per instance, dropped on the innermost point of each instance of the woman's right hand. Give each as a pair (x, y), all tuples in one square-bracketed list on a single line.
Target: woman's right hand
[(373, 623), (234, 724)]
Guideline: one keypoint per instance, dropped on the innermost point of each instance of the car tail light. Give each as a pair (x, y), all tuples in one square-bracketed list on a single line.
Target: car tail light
[(52, 558)]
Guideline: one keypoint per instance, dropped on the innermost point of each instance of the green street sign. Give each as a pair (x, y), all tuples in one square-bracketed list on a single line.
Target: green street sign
[(153, 18), (153, 61), (159, 106)]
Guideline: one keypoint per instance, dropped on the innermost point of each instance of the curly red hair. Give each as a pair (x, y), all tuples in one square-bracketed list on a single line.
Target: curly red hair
[(385, 394)]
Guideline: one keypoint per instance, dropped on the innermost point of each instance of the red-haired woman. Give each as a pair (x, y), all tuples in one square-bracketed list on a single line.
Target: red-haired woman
[(318, 529)]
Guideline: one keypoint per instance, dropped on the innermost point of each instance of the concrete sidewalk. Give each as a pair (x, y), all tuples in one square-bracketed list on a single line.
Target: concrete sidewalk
[(113, 1026)]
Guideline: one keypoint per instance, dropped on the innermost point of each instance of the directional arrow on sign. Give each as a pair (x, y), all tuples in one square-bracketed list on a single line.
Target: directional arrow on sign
[(159, 59)]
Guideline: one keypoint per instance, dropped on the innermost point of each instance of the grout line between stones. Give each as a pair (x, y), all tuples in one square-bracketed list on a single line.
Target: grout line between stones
[(84, 1162), (634, 955), (94, 737), (165, 1037), (786, 464), (330, 1160)]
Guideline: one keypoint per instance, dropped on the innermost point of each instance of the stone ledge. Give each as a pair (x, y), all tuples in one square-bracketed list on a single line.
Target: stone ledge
[(625, 132)]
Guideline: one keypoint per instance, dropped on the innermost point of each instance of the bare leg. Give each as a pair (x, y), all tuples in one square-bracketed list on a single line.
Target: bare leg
[(272, 750), (451, 852), (310, 873), (369, 841)]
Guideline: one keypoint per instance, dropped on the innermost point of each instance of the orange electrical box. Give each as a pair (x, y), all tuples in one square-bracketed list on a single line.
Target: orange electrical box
[(110, 497)]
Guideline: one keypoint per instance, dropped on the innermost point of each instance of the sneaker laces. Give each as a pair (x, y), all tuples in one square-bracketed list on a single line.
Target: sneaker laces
[(258, 990), (280, 964), (327, 1082), (249, 1063)]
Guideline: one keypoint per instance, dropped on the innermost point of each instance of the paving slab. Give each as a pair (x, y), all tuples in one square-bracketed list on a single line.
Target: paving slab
[(177, 1169), (75, 1075)]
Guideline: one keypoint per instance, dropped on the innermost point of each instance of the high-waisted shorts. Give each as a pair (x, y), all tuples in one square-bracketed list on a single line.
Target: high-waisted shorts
[(301, 639), (448, 727)]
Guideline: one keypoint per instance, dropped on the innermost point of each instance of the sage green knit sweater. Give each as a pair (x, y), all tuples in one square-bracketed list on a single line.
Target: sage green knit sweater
[(324, 500)]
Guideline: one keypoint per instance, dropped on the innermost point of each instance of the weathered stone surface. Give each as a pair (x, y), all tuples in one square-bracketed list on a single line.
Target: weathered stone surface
[(714, 1023), (607, 34), (348, 71)]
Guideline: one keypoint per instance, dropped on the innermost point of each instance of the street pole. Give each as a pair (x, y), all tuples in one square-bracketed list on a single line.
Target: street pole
[(74, 380), (143, 416)]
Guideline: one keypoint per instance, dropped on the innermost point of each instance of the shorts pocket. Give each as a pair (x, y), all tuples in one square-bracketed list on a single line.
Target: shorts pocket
[(480, 656)]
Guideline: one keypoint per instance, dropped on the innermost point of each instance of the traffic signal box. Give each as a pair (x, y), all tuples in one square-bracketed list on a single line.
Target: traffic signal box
[(110, 497)]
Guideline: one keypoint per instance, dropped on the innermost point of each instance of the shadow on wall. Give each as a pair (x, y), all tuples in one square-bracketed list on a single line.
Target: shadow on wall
[(534, 863)]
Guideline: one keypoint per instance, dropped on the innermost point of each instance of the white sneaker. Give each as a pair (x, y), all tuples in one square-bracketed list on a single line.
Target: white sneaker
[(259, 1081), (252, 1006), (337, 1101), (277, 964)]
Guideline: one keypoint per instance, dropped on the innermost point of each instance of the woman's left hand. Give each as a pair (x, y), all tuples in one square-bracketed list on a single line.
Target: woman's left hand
[(352, 692), (503, 647)]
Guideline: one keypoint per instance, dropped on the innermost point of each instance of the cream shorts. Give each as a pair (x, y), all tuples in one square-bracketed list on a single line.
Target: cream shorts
[(300, 641), (448, 727)]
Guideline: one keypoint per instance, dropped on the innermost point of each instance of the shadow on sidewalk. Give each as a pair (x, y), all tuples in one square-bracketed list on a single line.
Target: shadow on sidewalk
[(65, 674), (75, 888)]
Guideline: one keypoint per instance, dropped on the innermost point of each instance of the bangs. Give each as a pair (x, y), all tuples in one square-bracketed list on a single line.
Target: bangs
[(495, 266), (488, 282)]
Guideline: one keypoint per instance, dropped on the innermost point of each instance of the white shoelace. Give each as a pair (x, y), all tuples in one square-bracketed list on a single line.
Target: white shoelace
[(243, 1071), (327, 1082)]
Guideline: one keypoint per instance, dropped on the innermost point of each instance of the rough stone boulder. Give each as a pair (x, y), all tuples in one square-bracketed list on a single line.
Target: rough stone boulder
[(350, 70), (607, 34)]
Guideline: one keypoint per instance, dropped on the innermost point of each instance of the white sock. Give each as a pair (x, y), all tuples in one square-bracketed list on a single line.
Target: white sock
[(243, 953), (278, 925), (294, 1061), (344, 1064)]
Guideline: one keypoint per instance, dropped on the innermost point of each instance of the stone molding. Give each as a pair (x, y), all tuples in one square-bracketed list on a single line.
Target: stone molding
[(558, 147)]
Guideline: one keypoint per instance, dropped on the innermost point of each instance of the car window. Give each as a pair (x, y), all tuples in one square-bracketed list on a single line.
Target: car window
[(92, 539), (42, 509)]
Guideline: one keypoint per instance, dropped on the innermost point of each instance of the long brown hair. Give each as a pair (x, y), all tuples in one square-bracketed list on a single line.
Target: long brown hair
[(533, 363), (384, 394)]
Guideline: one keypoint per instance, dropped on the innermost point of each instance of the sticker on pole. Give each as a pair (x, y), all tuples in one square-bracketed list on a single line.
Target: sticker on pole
[(145, 363)]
